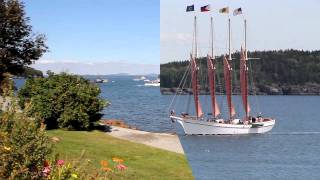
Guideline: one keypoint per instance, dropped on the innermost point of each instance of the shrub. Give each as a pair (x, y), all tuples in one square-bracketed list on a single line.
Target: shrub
[(63, 101), (24, 146)]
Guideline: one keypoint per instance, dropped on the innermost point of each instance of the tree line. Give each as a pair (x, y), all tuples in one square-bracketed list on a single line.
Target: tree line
[(285, 70)]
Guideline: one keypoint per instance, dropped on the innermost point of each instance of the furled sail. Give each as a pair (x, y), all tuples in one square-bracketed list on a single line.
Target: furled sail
[(227, 78), (211, 76), (195, 86), (244, 82)]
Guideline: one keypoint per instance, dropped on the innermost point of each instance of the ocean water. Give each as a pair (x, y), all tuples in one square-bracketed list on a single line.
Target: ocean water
[(138, 105), (290, 151)]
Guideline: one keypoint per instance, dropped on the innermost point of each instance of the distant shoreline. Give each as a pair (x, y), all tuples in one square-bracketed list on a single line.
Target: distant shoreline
[(304, 90)]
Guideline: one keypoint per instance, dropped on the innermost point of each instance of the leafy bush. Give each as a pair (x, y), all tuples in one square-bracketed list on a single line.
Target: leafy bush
[(6, 85), (63, 101), (24, 146)]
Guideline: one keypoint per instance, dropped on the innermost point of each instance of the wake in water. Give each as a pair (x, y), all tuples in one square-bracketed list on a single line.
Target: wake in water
[(294, 133)]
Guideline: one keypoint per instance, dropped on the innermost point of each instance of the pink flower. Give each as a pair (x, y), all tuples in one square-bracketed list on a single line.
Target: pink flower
[(121, 167), (60, 162), (46, 171)]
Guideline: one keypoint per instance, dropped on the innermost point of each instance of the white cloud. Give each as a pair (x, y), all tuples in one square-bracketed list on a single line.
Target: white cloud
[(178, 37), (98, 68)]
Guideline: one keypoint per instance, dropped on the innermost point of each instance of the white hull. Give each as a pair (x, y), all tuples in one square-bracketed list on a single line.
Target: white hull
[(152, 84), (197, 127)]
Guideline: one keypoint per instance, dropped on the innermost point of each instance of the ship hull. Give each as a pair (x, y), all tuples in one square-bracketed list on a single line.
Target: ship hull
[(196, 127)]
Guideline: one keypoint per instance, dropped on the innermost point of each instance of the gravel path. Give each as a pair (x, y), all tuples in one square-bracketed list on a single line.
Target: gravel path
[(164, 141)]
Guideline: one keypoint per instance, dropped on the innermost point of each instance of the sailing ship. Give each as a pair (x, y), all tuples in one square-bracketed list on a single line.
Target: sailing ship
[(213, 124)]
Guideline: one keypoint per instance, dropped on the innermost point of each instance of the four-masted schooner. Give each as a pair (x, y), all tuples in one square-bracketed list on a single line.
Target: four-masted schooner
[(199, 124)]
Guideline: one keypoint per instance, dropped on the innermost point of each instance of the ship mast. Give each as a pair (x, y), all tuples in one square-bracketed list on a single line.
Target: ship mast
[(229, 37), (244, 75), (211, 77), (195, 38), (194, 74), (211, 32), (245, 39), (228, 76)]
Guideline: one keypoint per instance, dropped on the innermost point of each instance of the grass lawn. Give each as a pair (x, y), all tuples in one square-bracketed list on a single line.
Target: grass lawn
[(143, 162)]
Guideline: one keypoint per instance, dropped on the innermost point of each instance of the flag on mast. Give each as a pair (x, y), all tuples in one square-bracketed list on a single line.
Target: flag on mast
[(190, 8), (224, 10), (237, 11), (205, 8)]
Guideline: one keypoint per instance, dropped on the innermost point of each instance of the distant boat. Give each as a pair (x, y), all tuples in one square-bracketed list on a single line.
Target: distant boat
[(101, 80), (140, 78), (153, 83), (213, 123)]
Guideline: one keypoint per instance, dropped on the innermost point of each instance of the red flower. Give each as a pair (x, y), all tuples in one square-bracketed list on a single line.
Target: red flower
[(121, 167), (60, 162)]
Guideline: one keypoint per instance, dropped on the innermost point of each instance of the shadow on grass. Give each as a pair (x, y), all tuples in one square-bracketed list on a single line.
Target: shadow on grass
[(100, 127)]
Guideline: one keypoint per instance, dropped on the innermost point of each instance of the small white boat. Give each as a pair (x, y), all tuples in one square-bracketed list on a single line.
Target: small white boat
[(101, 80), (140, 78), (201, 124), (153, 83)]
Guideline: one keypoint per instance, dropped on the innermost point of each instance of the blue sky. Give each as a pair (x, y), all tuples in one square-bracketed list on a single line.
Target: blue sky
[(88, 31), (272, 25)]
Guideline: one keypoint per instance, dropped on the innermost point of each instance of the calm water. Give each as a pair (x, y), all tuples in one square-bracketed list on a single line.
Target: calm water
[(136, 104), (290, 151)]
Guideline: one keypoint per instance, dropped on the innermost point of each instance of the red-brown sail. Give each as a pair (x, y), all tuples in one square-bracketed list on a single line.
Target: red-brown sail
[(211, 76), (227, 78), (195, 86), (244, 82)]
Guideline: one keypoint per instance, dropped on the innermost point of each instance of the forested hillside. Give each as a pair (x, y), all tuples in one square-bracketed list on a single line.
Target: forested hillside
[(276, 72)]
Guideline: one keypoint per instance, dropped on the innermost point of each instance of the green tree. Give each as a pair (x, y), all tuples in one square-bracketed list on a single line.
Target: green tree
[(19, 46), (63, 101), (282, 69)]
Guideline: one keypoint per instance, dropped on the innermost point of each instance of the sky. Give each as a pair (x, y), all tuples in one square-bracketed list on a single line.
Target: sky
[(272, 25), (92, 33)]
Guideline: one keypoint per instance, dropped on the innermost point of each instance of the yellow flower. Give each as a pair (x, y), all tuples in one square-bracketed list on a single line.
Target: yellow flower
[(7, 148), (118, 160), (74, 175)]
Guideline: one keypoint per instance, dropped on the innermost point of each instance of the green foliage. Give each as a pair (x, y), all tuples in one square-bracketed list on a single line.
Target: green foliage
[(280, 68), (62, 101), (19, 46), (24, 146), (6, 85), (29, 72)]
